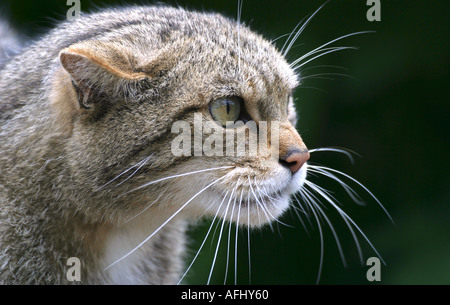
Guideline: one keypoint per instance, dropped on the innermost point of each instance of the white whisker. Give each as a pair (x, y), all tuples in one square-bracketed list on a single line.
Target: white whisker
[(330, 50), (324, 76), (236, 240), (248, 241), (327, 198), (279, 37), (263, 206), (311, 205), (355, 238), (239, 14), (147, 207), (321, 48), (177, 176), (297, 34), (323, 66), (323, 51), (355, 197), (220, 234), (161, 226), (229, 239), (301, 210), (140, 163), (344, 151), (204, 240), (312, 197), (359, 183), (290, 35), (132, 174)]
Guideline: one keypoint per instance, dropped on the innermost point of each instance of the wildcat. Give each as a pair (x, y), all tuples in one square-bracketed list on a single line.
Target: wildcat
[(86, 167)]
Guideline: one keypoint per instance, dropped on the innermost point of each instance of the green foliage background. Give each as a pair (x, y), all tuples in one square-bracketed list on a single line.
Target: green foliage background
[(393, 111)]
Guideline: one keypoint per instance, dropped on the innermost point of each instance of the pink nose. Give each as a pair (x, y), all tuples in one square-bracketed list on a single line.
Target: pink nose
[(295, 160)]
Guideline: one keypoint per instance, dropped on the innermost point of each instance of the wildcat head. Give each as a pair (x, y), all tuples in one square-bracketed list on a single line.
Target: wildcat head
[(117, 96)]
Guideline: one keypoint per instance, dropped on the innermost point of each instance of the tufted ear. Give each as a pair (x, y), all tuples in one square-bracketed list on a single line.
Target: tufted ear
[(98, 68)]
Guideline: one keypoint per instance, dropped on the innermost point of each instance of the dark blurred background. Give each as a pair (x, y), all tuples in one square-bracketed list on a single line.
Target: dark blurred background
[(391, 108)]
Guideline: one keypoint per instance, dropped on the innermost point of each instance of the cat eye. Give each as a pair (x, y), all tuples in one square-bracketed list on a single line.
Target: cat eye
[(227, 110)]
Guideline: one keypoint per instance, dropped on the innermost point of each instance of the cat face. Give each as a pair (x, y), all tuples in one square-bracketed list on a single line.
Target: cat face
[(133, 99)]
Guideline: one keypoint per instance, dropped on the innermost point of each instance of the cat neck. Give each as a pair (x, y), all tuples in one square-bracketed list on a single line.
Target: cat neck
[(129, 258)]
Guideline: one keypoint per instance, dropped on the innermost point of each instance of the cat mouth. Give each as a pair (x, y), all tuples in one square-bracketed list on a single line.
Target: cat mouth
[(253, 208), (257, 203)]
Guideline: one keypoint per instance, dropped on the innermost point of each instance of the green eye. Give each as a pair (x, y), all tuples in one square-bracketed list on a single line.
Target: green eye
[(226, 110)]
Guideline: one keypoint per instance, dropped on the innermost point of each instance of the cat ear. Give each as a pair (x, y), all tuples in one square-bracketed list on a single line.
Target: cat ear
[(94, 74), (98, 68)]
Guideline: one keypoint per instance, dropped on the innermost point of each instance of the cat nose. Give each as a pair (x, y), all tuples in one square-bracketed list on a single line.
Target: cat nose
[(295, 159)]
